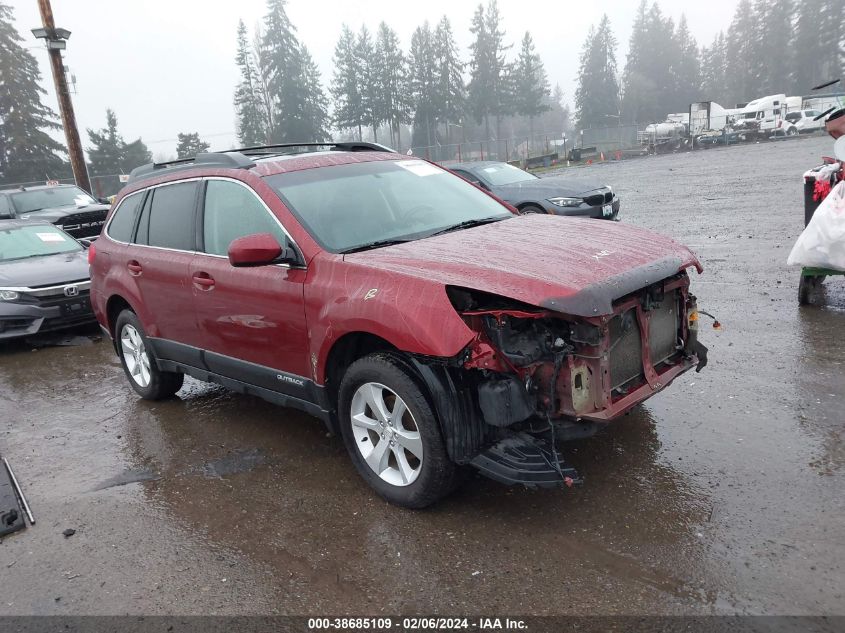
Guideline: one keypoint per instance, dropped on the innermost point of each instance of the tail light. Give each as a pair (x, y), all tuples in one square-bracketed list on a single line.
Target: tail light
[(780, 123), (92, 253)]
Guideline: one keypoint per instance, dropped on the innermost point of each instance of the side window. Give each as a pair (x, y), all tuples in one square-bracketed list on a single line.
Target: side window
[(233, 211), (467, 175), (5, 207), (171, 217), (123, 220)]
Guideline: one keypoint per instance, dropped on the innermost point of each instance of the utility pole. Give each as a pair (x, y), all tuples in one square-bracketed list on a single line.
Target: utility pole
[(55, 43)]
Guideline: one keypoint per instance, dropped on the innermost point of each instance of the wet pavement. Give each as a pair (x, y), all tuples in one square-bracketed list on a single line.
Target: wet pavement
[(722, 494)]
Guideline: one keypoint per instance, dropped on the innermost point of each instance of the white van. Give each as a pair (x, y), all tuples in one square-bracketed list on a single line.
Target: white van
[(804, 120)]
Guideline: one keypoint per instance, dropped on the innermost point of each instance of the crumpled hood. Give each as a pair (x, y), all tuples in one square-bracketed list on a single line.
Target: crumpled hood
[(545, 188), (569, 265), (52, 214), (49, 270)]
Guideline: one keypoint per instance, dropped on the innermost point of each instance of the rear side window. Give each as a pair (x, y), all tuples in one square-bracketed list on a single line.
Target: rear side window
[(5, 207), (233, 211), (123, 220), (168, 220)]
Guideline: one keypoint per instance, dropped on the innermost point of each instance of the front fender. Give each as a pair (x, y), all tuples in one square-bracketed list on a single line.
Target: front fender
[(413, 315)]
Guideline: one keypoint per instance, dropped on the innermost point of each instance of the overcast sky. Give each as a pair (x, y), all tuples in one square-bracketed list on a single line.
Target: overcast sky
[(166, 67)]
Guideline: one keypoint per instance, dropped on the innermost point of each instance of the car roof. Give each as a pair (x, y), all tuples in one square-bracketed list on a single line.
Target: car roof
[(266, 160), (309, 160), (16, 223), (477, 164), (35, 188)]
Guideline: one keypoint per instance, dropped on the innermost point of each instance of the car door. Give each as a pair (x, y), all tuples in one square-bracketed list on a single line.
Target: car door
[(159, 261), (252, 320)]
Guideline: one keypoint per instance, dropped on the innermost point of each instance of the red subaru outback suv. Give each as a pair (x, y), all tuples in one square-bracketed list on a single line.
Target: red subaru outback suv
[(419, 316)]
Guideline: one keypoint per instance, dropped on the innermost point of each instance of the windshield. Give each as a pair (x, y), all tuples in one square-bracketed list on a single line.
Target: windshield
[(37, 199), (504, 174), (20, 242), (345, 207), (792, 117)]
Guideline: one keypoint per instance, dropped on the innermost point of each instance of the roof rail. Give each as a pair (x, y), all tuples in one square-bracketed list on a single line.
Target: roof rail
[(350, 146), (231, 160)]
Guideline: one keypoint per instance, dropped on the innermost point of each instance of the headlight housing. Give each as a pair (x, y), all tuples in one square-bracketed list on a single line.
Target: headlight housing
[(8, 295), (566, 202)]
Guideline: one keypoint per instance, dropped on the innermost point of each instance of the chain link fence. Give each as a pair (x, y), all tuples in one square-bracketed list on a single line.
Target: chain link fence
[(540, 148), (614, 142)]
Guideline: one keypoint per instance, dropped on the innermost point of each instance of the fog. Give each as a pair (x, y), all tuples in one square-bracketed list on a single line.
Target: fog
[(168, 67)]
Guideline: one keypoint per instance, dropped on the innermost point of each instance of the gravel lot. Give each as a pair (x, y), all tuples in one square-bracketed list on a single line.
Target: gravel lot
[(723, 494)]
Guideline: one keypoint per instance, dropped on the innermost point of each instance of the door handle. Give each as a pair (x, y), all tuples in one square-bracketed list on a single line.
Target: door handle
[(134, 268), (203, 281)]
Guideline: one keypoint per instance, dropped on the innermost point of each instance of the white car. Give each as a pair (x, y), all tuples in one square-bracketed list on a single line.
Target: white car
[(803, 120)]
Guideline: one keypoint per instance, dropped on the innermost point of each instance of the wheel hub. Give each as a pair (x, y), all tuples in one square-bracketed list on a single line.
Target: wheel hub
[(386, 434)]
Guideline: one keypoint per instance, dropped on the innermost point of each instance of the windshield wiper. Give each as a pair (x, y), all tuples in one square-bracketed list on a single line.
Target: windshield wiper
[(376, 244), (466, 224)]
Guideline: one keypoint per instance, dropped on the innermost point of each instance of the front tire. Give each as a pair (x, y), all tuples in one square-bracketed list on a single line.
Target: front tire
[(531, 208), (138, 361), (392, 434)]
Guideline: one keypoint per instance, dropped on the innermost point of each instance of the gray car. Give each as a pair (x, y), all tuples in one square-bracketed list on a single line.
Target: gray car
[(44, 279), (557, 195)]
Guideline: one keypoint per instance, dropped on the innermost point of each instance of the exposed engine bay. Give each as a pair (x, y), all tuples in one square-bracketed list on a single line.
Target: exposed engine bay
[(535, 369)]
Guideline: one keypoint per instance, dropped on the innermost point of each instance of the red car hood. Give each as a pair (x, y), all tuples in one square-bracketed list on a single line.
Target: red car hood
[(569, 265)]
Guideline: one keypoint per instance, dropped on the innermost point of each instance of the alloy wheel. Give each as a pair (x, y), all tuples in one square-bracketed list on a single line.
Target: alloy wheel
[(135, 355), (386, 434)]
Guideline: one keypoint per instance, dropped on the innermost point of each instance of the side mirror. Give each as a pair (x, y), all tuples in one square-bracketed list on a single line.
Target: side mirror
[(103, 200), (259, 249)]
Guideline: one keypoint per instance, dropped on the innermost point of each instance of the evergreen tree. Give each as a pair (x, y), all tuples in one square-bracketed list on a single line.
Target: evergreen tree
[(189, 145), (714, 65), (265, 99), (597, 97), (296, 99), (819, 34), (451, 92), (365, 58), (774, 49), (105, 156), (251, 122), (557, 117), (480, 84), (27, 151), (501, 73), (531, 87), (649, 80), (686, 68), (279, 56), (313, 116), (347, 84), (743, 68), (393, 104), (423, 86), (110, 154), (135, 154)]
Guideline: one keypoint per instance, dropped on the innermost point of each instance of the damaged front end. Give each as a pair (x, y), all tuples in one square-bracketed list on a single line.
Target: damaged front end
[(532, 375)]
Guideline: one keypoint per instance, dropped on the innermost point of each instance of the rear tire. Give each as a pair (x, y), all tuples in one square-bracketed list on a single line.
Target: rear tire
[(138, 361), (392, 434)]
